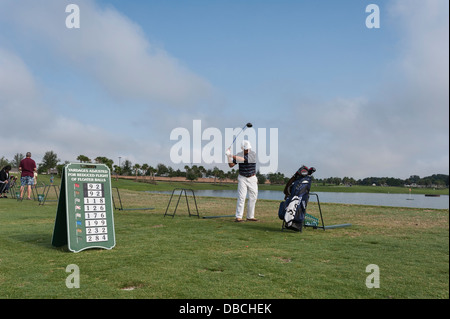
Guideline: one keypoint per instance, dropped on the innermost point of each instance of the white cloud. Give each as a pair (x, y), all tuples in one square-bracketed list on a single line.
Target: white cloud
[(19, 96), (29, 124), (398, 129), (110, 48), (111, 52)]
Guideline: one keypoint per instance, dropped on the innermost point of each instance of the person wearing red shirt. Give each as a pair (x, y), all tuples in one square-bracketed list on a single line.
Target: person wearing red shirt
[(27, 168)]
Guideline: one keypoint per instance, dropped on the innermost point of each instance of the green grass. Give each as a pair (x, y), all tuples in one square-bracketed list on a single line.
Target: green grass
[(186, 257)]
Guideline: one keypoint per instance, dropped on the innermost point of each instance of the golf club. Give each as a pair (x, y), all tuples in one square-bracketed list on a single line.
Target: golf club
[(246, 125)]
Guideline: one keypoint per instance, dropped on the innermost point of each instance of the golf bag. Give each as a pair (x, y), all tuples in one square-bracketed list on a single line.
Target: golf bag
[(292, 211)]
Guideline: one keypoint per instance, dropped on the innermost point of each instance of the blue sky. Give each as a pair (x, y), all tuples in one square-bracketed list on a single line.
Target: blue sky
[(349, 100)]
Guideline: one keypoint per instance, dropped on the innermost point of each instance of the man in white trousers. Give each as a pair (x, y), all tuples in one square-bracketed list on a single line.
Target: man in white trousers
[(247, 181)]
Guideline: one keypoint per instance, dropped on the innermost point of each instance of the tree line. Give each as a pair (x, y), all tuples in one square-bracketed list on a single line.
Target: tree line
[(435, 180), (50, 162)]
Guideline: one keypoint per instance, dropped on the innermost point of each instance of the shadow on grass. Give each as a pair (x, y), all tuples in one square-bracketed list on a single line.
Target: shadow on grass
[(259, 225), (41, 240)]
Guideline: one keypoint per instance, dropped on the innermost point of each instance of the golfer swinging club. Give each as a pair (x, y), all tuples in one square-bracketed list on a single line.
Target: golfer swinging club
[(247, 180)]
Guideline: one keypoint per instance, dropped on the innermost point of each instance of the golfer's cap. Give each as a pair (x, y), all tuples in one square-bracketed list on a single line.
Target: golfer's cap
[(246, 145)]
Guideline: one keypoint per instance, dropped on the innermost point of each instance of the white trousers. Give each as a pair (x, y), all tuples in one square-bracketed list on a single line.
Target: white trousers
[(250, 185)]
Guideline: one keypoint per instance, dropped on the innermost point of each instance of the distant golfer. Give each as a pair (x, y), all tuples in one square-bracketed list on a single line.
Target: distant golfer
[(247, 181), (27, 168)]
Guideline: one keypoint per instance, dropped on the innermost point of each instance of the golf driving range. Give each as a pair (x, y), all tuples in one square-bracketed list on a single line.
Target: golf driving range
[(224, 158), (192, 258)]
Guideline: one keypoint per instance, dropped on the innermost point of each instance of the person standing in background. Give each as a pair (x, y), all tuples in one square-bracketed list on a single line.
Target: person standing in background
[(27, 169)]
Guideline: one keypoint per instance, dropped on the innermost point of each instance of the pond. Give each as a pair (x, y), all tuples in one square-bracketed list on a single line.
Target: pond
[(376, 199)]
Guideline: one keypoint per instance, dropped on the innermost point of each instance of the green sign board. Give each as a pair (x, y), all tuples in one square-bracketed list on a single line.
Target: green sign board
[(84, 217)]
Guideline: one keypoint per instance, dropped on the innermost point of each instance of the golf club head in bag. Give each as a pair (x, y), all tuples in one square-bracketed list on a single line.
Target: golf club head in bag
[(305, 171)]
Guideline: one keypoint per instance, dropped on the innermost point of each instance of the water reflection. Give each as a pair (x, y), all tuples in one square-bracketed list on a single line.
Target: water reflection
[(376, 199)]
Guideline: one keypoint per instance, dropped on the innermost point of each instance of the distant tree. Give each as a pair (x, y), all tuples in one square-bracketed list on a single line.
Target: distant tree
[(233, 174), (179, 173), (414, 179), (191, 175), (171, 172), (215, 173), (126, 168), (439, 180), (348, 181), (60, 167), (151, 171), (161, 169), (201, 170), (144, 168), (221, 175), (49, 161), (4, 162), (276, 178), (394, 181), (194, 172), (104, 160), (261, 178), (17, 158), (83, 159), (117, 169), (136, 168)]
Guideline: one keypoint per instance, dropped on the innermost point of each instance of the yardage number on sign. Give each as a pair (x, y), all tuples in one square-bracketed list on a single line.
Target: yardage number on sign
[(95, 212)]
